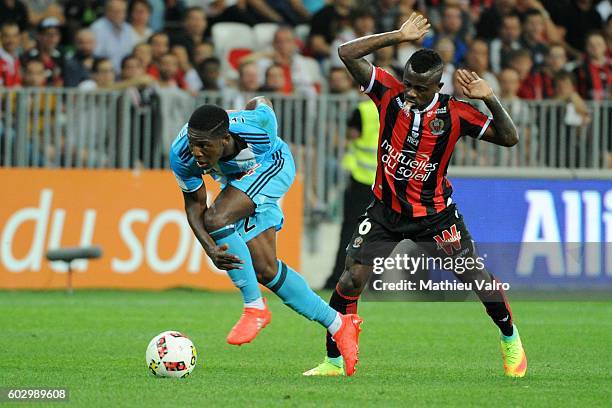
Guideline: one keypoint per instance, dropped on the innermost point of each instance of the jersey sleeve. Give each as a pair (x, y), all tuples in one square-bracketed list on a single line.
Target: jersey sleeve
[(381, 82), (472, 122), (187, 179), (257, 127)]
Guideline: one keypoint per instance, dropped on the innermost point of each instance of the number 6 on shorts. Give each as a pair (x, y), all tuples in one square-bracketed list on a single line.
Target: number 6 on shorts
[(365, 227)]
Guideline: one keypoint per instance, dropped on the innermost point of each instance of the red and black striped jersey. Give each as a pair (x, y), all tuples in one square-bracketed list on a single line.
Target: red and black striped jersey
[(415, 146), (538, 85), (594, 81)]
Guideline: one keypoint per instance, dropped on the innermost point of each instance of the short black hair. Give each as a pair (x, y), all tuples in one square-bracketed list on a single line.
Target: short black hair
[(564, 75), (210, 61), (9, 23), (157, 34), (360, 12), (212, 119), (133, 4), (424, 60), (531, 12), (192, 9), (125, 60), (97, 62)]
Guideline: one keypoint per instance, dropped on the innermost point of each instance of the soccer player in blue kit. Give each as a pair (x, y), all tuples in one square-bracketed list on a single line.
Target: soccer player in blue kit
[(242, 151)]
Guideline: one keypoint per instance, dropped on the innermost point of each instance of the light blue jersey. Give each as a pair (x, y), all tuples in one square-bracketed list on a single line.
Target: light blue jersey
[(264, 170)]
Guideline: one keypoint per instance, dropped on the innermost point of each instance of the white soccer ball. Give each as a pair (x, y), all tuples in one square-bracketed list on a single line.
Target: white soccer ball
[(171, 354)]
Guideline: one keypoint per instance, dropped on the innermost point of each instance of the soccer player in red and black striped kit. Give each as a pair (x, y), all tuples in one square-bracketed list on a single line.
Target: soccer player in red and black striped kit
[(419, 128)]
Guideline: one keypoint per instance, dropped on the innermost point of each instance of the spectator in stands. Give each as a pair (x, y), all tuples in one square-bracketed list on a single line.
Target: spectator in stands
[(160, 46), (386, 13), (142, 51), (521, 62), (491, 19), (38, 106), (576, 110), (581, 19), (81, 13), (192, 34), (131, 68), (202, 51), (552, 33), (103, 75), (248, 77), (340, 82), (79, 67), (362, 24), (10, 66), (275, 80), (291, 12), (187, 75), (247, 85), (15, 10), (326, 25), (446, 49), (47, 40), (451, 27), (509, 40), (231, 10), (509, 84), (34, 74), (540, 83), (114, 36), (38, 10), (302, 73), (140, 13), (209, 71), (533, 36), (174, 11), (594, 75), (383, 58), (477, 60)]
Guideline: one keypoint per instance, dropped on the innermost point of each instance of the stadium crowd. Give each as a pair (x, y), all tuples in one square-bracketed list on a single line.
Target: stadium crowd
[(527, 49)]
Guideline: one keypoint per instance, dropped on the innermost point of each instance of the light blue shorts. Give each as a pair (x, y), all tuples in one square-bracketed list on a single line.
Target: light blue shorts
[(265, 186)]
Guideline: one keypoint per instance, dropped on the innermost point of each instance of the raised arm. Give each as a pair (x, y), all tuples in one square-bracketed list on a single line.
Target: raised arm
[(352, 52), (195, 207), (502, 130)]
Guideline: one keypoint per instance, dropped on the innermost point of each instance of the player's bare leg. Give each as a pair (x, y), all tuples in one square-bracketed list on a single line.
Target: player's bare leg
[(295, 293), (344, 300), (231, 206)]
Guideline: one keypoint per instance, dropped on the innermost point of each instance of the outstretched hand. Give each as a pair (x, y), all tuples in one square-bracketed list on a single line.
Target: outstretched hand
[(414, 28), (472, 85)]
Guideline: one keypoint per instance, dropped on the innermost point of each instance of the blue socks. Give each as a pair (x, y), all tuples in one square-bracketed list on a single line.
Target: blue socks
[(287, 284), (295, 293), (245, 278)]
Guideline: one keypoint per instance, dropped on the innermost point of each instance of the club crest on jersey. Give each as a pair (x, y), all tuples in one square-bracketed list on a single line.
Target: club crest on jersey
[(357, 243), (436, 126), (450, 240)]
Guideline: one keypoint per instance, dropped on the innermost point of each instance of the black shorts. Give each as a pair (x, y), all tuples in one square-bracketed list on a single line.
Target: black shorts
[(380, 229)]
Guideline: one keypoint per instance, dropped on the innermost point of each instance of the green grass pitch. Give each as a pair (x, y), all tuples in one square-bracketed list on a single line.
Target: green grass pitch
[(412, 354)]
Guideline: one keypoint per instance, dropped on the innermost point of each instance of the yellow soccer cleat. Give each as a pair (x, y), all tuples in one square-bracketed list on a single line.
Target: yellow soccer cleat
[(326, 369), (515, 359)]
